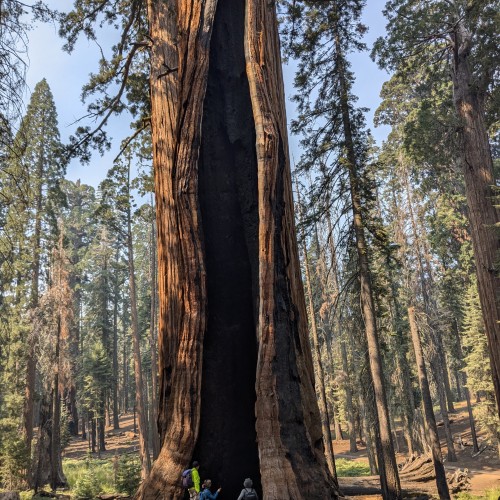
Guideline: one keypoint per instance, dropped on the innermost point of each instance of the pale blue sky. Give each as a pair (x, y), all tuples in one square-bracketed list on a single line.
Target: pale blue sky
[(66, 74)]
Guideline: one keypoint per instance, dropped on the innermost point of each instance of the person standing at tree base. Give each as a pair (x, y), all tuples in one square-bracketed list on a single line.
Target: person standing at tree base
[(206, 494), (194, 490), (248, 493)]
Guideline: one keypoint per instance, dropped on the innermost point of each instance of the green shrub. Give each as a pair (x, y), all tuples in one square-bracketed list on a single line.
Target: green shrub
[(14, 456), (87, 485), (128, 474)]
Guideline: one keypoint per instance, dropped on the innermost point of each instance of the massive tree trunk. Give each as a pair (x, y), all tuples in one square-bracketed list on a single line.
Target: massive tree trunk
[(479, 181), (430, 419), (235, 366)]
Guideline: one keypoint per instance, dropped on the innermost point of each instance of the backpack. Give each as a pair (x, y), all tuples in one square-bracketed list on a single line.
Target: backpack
[(187, 478), (250, 495)]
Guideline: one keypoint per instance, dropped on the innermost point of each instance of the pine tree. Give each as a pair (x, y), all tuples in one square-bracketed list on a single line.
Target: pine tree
[(320, 36), (118, 202), (478, 372), (457, 38)]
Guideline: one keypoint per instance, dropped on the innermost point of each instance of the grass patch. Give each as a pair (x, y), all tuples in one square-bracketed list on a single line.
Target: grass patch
[(351, 468), (493, 494), (102, 473)]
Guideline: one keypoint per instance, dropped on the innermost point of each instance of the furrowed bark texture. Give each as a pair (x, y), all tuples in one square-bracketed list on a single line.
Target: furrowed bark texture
[(229, 284), (291, 452), (479, 182), (180, 36)]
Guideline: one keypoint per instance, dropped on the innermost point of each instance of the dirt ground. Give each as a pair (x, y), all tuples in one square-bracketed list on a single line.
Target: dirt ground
[(118, 442), (484, 470)]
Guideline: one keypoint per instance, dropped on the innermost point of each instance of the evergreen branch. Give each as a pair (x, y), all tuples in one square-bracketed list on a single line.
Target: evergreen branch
[(145, 125), (111, 107)]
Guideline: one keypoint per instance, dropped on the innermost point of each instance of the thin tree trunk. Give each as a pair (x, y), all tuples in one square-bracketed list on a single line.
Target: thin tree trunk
[(101, 423), (93, 431), (140, 395), (320, 375), (440, 388), (458, 385), (152, 333), (479, 182), (430, 420), (366, 426), (31, 341), (405, 384), (56, 415), (345, 365), (472, 423), (125, 373), (390, 484), (438, 368), (116, 422), (349, 406)]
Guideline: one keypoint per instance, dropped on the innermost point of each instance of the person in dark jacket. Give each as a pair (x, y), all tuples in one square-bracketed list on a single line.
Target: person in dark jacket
[(248, 493), (206, 494)]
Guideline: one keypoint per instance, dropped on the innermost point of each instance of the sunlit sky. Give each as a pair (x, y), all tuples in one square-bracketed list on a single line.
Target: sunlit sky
[(66, 74)]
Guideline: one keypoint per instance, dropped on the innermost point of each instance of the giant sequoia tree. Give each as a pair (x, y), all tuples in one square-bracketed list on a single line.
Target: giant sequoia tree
[(235, 365), (235, 368)]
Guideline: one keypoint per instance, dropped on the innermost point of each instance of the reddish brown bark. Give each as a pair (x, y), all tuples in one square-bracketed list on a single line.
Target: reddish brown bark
[(285, 427), (155, 438), (479, 181), (180, 36)]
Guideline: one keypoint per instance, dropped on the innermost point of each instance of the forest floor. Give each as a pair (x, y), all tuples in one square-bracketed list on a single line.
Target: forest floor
[(484, 469), (118, 442)]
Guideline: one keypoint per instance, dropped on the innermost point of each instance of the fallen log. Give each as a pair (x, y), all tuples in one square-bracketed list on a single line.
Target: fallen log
[(459, 481), (418, 469)]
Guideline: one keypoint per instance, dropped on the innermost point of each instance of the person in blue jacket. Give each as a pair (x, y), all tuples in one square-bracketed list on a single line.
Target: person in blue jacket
[(205, 493)]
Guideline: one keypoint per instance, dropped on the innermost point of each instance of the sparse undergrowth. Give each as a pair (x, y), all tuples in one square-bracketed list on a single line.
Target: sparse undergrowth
[(351, 468), (493, 494), (90, 477), (87, 478)]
